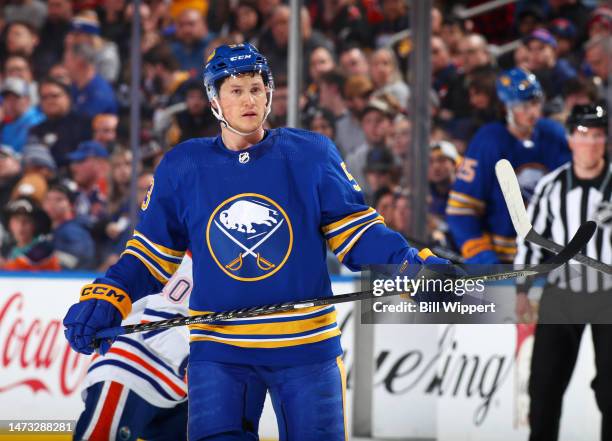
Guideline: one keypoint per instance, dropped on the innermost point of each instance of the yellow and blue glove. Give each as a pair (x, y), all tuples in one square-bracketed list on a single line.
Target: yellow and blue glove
[(100, 306)]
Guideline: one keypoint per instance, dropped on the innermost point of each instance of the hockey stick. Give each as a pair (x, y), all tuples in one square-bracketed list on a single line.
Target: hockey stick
[(520, 219), (582, 236)]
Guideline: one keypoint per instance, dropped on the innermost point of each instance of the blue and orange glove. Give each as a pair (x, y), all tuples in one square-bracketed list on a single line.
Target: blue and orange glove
[(100, 307)]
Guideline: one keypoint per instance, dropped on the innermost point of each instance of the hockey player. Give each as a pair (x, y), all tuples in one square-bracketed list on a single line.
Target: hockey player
[(476, 211), (255, 207), (138, 388)]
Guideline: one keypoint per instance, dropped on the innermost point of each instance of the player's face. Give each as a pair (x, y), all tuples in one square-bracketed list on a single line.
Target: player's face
[(243, 100), (588, 145), (527, 114)]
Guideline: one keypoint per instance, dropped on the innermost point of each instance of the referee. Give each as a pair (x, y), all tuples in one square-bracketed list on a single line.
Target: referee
[(565, 198)]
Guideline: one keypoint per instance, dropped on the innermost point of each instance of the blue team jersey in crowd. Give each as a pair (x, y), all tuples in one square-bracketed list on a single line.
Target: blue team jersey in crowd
[(257, 222), (477, 214)]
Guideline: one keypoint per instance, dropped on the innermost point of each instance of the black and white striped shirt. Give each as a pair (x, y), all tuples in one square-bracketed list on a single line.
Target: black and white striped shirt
[(561, 203)]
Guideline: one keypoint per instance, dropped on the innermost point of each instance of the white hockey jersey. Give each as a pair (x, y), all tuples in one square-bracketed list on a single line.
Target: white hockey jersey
[(152, 363)]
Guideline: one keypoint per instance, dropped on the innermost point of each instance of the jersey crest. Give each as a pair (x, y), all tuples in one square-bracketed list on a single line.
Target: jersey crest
[(249, 237)]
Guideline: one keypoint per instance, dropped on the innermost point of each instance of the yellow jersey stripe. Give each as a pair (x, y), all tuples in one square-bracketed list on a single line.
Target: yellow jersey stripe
[(462, 197), (271, 343), (160, 248), (336, 241), (347, 220), (350, 245), (154, 271), (169, 267), (295, 327)]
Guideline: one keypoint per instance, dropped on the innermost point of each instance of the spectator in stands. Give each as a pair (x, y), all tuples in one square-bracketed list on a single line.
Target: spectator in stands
[(21, 38), (575, 11), (597, 56), (86, 30), (73, 245), (442, 69), (162, 78), (485, 106), (386, 76), (565, 33), (91, 94), (453, 31), (474, 53), (331, 98), (18, 66), (60, 72), (380, 171), (443, 157), (353, 61), (114, 24), (321, 61), (32, 12), (191, 39), (38, 170), (278, 114), (399, 138), (88, 167), (375, 123), (341, 22), (63, 128), (383, 201), (322, 121), (104, 128), (550, 71), (529, 18), (402, 213), (115, 225), (19, 114), (356, 92), (274, 42), (395, 19), (10, 172), (151, 35), (196, 120), (576, 91), (30, 248), (247, 20), (58, 23), (600, 23)]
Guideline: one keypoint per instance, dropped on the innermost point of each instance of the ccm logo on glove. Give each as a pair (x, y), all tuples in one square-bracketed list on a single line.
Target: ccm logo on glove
[(114, 295)]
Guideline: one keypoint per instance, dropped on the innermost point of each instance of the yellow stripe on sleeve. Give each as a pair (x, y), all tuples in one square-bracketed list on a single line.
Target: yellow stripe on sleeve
[(347, 220)]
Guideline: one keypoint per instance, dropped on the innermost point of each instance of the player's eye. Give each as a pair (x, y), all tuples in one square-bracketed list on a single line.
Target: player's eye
[(236, 91), (256, 90)]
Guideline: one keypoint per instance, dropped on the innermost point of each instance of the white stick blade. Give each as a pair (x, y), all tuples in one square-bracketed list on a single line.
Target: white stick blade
[(512, 195)]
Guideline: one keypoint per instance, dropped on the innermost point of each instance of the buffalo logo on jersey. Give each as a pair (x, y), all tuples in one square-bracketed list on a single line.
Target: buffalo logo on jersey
[(528, 176), (249, 236)]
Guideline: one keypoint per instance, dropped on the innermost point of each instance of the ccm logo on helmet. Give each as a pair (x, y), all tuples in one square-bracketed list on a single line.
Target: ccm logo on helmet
[(106, 291), (240, 57)]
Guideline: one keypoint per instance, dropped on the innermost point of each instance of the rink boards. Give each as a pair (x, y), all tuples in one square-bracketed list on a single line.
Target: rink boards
[(450, 382)]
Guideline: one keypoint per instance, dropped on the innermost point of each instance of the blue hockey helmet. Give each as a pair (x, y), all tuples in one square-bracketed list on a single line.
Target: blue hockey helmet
[(516, 86), (235, 59)]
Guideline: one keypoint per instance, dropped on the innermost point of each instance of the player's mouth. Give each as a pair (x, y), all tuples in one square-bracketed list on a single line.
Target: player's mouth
[(249, 114)]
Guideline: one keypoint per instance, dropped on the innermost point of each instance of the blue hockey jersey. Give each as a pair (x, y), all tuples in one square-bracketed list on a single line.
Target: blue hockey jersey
[(476, 212), (257, 222)]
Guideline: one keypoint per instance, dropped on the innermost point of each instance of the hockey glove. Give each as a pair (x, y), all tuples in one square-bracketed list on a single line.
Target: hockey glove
[(100, 307), (440, 270)]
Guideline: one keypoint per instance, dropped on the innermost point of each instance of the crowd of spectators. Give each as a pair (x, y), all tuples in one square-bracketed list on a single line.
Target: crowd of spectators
[(65, 168)]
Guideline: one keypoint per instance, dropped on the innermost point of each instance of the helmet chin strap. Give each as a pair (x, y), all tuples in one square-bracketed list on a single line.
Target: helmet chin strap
[(216, 110)]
